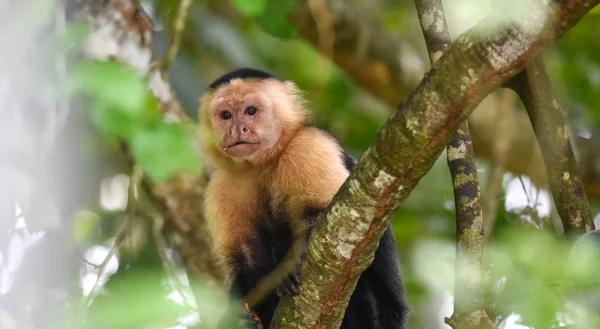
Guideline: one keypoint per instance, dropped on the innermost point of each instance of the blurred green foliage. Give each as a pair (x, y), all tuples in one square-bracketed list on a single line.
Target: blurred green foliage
[(529, 271), (575, 67), (123, 107), (270, 15)]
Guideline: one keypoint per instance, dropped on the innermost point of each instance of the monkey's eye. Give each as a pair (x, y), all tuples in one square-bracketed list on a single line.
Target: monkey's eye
[(225, 115), (250, 111)]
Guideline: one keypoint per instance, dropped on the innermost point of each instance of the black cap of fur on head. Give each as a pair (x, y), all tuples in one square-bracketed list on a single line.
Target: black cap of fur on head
[(243, 73)]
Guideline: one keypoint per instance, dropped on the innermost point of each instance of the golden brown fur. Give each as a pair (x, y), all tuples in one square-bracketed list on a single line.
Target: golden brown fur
[(270, 170), (304, 164)]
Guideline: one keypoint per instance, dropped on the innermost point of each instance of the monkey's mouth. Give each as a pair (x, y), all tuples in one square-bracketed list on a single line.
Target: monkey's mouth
[(241, 148), (236, 144)]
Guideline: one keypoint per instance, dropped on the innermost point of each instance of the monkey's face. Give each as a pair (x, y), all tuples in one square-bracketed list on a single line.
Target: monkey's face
[(242, 116)]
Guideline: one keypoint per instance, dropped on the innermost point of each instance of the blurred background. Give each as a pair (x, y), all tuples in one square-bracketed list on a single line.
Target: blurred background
[(64, 182)]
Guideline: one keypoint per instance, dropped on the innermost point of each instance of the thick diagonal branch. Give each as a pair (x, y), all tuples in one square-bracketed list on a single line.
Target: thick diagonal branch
[(343, 242), (468, 290), (534, 87), (389, 68)]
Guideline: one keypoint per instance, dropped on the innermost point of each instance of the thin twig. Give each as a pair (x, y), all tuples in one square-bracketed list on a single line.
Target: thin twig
[(182, 14), (132, 193), (101, 270), (324, 22), (520, 177), (104, 265), (489, 204), (139, 201), (461, 161), (82, 257), (134, 180), (168, 264)]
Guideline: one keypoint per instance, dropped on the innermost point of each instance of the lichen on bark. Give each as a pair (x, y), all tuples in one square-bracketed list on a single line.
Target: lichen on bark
[(534, 87), (388, 67), (468, 290), (406, 148)]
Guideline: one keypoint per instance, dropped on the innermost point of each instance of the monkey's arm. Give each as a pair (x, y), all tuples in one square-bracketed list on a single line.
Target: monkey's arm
[(309, 174), (231, 211), (282, 250)]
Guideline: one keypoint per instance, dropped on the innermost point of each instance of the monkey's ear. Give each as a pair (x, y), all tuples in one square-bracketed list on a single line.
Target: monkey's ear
[(301, 105), (292, 88), (204, 110)]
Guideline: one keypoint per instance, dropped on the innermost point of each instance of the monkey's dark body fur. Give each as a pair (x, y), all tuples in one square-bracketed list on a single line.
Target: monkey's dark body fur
[(378, 301)]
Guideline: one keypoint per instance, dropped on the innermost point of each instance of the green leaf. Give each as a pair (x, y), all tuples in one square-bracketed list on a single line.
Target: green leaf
[(273, 19), (119, 122), (164, 150), (85, 226), (111, 84), (284, 6), (134, 299), (113, 121), (538, 310), (121, 102), (250, 7)]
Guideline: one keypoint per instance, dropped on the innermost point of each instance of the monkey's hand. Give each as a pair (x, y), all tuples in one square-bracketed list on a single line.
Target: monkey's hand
[(246, 319), (289, 285), (252, 317)]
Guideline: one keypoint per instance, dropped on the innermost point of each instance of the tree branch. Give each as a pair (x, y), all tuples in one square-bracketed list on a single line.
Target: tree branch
[(490, 199), (119, 23), (120, 237), (345, 238), (534, 87), (468, 290), (184, 8), (389, 68), (384, 66)]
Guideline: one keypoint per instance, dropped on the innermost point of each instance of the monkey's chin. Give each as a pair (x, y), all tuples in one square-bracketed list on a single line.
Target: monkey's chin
[(242, 150)]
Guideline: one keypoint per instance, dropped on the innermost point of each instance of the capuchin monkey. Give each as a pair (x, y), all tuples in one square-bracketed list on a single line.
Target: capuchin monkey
[(268, 163)]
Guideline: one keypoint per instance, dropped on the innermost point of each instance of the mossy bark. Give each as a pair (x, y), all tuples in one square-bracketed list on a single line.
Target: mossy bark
[(534, 87), (468, 291), (343, 242), (390, 68)]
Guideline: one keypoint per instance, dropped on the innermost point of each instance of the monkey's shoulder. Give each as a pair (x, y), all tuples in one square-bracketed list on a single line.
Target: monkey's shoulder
[(316, 147), (312, 166)]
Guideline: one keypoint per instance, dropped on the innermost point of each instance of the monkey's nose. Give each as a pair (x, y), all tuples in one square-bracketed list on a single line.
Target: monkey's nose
[(243, 130)]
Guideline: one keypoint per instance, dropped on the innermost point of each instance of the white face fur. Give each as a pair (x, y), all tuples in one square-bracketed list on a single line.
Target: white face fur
[(244, 117)]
